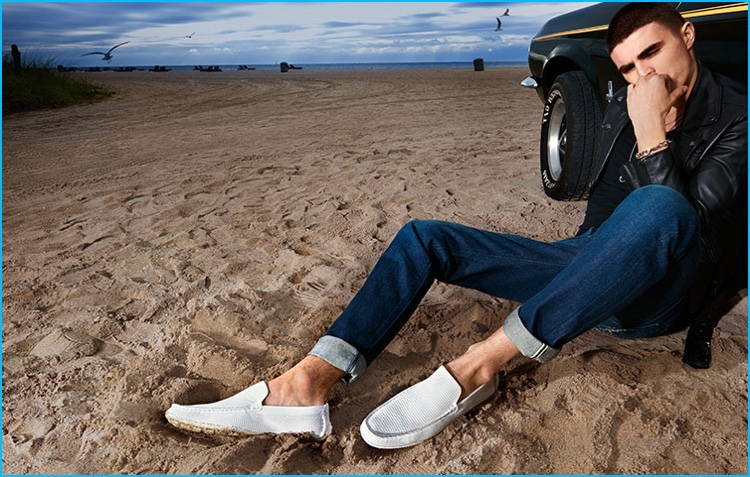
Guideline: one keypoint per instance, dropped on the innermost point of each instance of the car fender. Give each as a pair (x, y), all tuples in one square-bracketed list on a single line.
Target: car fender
[(567, 57)]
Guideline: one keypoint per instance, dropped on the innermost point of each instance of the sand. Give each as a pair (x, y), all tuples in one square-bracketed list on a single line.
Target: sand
[(199, 231)]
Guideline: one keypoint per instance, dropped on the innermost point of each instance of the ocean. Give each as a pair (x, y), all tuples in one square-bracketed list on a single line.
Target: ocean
[(328, 66)]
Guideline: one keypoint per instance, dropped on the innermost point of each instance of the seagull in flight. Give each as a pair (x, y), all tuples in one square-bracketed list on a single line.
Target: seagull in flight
[(190, 35), (499, 24), (506, 13), (108, 55)]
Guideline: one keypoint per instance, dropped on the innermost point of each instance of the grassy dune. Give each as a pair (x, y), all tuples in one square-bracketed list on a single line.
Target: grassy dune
[(40, 86)]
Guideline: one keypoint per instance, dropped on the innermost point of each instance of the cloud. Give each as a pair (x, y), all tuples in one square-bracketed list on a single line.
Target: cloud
[(344, 24), (265, 32), (428, 15)]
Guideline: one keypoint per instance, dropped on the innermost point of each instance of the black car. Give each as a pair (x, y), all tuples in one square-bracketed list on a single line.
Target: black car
[(574, 76)]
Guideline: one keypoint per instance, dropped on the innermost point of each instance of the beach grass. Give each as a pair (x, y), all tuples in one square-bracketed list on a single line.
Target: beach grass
[(41, 86)]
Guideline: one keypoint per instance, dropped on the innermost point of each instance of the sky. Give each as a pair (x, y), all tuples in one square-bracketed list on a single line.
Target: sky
[(258, 33)]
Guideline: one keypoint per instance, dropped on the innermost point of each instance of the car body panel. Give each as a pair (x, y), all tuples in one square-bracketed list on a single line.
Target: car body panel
[(575, 41)]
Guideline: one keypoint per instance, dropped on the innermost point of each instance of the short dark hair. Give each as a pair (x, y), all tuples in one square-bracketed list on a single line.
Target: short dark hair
[(636, 15)]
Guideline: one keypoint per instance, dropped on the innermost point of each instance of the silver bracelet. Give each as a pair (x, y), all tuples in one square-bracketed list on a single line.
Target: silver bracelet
[(652, 150)]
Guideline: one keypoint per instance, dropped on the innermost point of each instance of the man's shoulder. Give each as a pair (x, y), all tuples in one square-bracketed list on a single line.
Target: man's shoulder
[(733, 92), (716, 101)]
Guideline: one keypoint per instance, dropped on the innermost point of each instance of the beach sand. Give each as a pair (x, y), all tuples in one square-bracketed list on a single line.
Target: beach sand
[(199, 231)]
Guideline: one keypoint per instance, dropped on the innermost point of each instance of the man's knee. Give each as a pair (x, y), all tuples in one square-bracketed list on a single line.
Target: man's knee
[(423, 231), (427, 236), (658, 206), (660, 197)]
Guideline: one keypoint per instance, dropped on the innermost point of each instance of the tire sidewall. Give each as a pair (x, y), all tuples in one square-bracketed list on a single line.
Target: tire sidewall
[(582, 118)]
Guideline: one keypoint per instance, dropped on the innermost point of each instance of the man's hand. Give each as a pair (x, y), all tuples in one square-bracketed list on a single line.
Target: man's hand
[(651, 107)]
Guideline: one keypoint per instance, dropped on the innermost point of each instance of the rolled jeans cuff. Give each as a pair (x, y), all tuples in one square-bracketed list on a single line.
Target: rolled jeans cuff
[(527, 343), (340, 354)]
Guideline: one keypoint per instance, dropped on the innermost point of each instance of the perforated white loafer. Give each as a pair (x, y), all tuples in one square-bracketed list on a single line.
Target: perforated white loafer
[(244, 413), (421, 411)]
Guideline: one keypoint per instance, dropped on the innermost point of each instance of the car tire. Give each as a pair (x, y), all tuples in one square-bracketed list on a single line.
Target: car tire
[(570, 137)]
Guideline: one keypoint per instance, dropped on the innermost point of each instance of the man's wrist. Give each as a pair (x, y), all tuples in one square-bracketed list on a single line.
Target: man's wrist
[(653, 150)]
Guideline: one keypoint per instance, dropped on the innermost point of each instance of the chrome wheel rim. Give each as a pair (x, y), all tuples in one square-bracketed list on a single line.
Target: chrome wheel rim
[(557, 139)]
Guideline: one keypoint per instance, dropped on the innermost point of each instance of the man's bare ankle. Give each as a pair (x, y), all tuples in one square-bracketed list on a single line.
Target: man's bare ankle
[(289, 390), (306, 384)]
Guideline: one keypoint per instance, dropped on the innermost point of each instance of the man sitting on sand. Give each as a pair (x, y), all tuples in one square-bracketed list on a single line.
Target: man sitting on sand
[(663, 224)]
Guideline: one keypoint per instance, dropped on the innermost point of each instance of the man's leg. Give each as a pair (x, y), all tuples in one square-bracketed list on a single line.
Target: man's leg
[(631, 279), (422, 252), (639, 264), (638, 267), (649, 249), (636, 264), (505, 266)]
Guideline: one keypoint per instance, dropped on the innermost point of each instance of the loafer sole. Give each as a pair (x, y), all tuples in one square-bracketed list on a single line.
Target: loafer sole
[(205, 428)]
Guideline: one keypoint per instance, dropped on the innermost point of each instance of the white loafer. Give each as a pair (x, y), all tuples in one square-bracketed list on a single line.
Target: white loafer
[(421, 411), (244, 413)]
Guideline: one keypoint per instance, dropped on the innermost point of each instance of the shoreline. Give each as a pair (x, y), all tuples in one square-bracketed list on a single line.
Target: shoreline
[(319, 66)]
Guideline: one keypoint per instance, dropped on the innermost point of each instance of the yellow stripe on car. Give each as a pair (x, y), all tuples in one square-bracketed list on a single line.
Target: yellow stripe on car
[(703, 12)]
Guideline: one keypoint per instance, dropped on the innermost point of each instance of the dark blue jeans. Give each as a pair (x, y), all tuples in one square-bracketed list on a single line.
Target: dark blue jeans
[(629, 277)]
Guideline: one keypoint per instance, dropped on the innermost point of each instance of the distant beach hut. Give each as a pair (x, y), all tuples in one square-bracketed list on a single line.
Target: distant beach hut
[(284, 66), (479, 64)]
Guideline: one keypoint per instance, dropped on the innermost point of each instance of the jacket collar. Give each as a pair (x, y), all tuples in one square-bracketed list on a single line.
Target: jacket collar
[(704, 105)]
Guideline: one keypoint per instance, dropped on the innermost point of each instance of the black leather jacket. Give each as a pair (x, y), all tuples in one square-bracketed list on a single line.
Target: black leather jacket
[(707, 163)]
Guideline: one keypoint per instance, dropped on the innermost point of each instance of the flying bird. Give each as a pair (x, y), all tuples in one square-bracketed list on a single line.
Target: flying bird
[(506, 13), (499, 24), (190, 35), (108, 55)]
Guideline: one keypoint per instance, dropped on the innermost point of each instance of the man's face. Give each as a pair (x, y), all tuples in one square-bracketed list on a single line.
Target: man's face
[(653, 48)]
